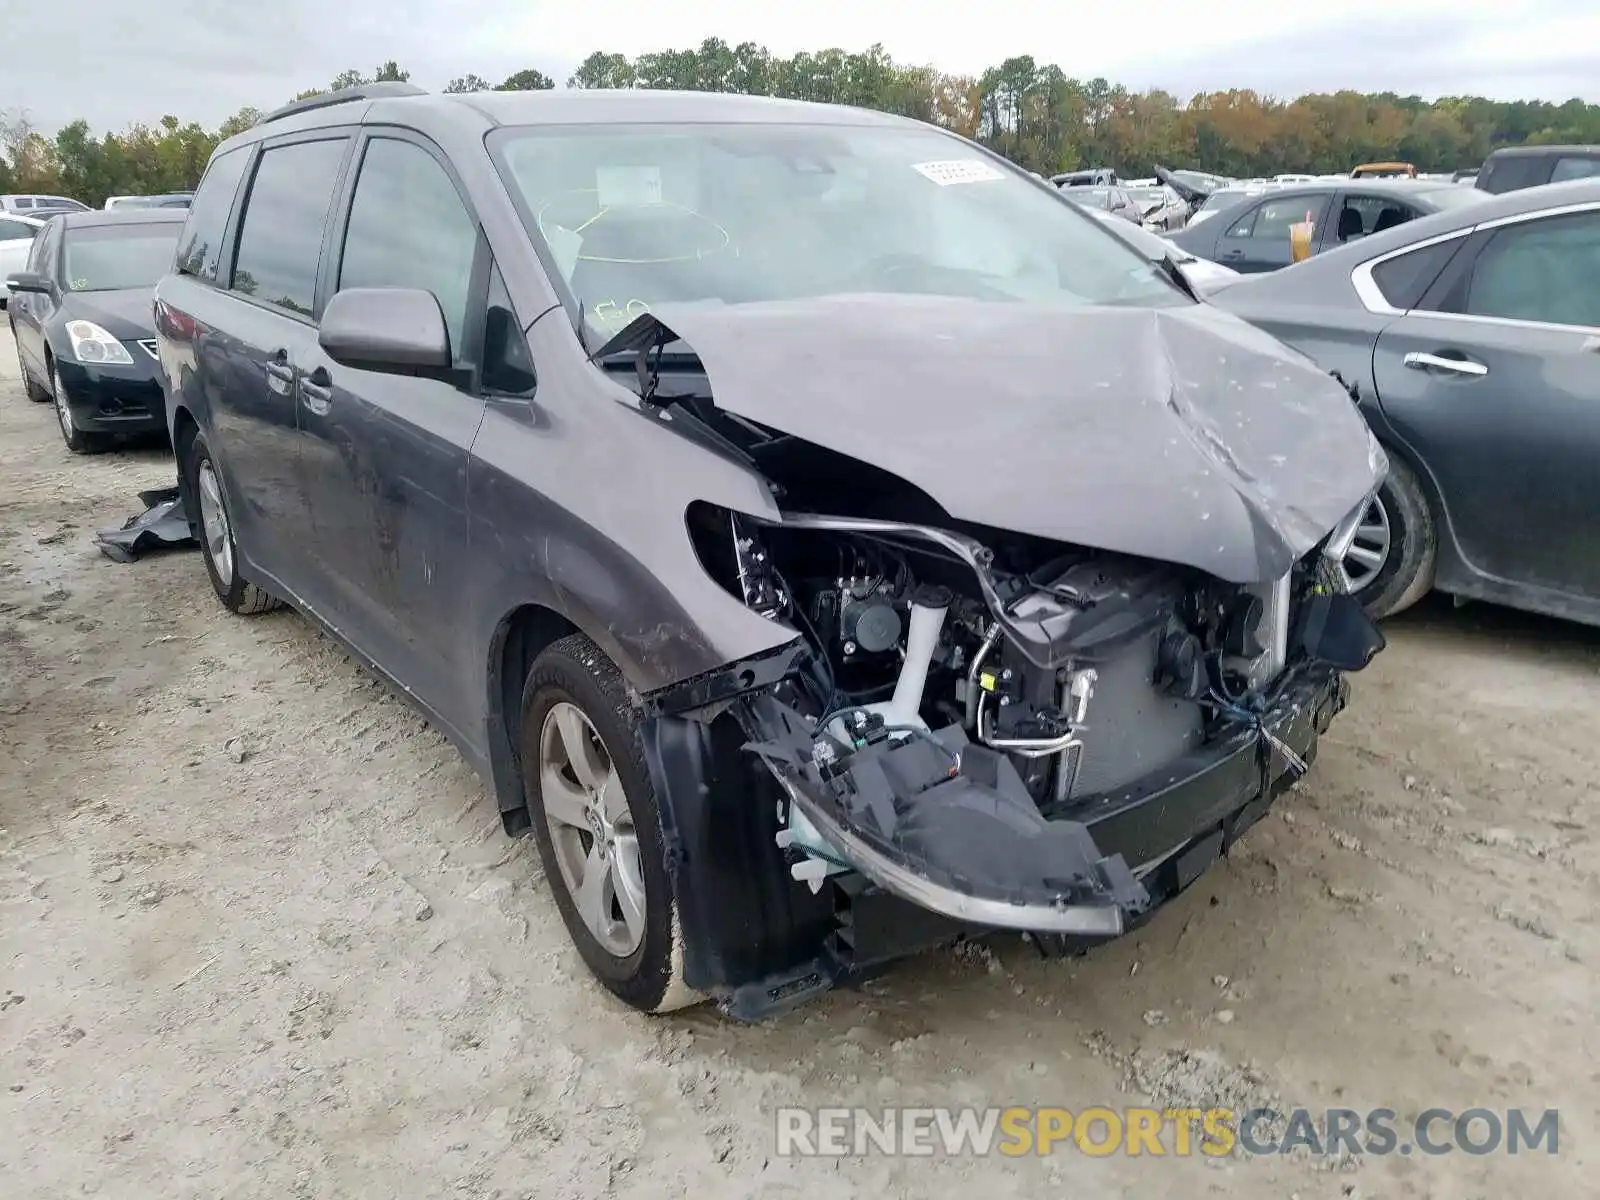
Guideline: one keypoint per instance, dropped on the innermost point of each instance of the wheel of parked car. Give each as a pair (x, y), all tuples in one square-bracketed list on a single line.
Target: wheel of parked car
[(596, 824), (78, 441), (1391, 562), (217, 543), (35, 393)]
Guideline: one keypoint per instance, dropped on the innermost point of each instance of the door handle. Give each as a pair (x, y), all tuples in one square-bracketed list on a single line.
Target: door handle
[(317, 391), (280, 374), (1234, 254), (1438, 362)]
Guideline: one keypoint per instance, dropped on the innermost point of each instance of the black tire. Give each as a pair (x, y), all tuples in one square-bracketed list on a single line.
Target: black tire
[(78, 441), (574, 671), (238, 595), (34, 392), (1407, 575)]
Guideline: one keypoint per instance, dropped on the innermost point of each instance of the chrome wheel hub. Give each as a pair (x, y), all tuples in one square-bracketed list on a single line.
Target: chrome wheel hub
[(1370, 548), (214, 523), (63, 409), (591, 830)]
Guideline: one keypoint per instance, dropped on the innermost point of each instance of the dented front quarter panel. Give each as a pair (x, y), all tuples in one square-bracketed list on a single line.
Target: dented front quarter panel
[(578, 501)]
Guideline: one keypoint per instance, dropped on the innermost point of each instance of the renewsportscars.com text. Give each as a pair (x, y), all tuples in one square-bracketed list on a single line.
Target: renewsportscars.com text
[(1179, 1132)]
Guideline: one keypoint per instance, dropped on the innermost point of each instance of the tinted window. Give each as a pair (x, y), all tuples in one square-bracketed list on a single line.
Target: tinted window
[(1362, 215), (16, 230), (1546, 270), (200, 246), (23, 202), (1403, 280), (280, 236), (507, 365), (39, 258), (1574, 168), (408, 228), (109, 258), (1512, 173)]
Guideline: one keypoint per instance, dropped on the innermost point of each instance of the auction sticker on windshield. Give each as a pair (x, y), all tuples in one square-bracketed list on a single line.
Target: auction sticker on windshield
[(957, 170)]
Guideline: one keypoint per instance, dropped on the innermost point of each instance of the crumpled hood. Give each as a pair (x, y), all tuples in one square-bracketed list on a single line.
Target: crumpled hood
[(1180, 434), (126, 314)]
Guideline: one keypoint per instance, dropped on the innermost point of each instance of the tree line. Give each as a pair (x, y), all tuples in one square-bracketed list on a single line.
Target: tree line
[(1034, 114)]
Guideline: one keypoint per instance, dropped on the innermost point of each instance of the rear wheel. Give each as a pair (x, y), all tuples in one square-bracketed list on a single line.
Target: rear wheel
[(596, 823), (217, 544), (1390, 565)]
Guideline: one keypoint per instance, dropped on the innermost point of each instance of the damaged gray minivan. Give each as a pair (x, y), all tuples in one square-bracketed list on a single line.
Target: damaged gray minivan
[(828, 542)]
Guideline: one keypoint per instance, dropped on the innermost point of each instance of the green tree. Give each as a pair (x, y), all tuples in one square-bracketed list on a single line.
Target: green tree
[(1033, 113), (528, 80)]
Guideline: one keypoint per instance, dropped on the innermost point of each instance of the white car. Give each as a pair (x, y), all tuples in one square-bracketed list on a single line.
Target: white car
[(16, 239)]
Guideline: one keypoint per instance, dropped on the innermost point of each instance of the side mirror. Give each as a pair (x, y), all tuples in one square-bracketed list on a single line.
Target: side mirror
[(28, 281), (401, 330)]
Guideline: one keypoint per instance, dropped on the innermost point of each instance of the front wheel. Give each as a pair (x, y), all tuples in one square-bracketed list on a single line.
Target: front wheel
[(217, 543), (596, 823), (78, 441), (1390, 563)]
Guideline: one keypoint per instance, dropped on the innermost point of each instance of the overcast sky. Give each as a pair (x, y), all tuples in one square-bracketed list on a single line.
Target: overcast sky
[(113, 63)]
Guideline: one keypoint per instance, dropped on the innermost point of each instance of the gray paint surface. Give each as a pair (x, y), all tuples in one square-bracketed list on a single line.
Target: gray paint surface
[(417, 517), (1177, 434)]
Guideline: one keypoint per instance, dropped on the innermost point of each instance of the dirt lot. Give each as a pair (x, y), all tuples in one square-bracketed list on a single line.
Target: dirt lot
[(261, 935)]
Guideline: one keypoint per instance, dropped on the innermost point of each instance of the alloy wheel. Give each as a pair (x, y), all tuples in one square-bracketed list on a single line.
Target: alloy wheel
[(63, 409), (1370, 548), (591, 830), (214, 522)]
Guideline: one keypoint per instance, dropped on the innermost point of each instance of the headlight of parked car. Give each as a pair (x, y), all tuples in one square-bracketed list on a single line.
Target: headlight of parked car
[(91, 344)]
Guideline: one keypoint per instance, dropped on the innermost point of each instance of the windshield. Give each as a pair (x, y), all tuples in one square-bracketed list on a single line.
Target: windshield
[(1145, 197), (108, 258), (633, 217)]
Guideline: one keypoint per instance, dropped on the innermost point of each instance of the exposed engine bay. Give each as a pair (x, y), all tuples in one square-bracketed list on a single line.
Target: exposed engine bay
[(959, 698)]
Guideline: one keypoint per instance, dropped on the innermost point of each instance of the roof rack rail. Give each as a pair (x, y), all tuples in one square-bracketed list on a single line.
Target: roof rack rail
[(364, 91)]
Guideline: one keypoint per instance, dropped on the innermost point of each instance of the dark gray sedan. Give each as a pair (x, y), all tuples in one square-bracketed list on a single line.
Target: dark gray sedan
[(1471, 341), (1253, 236)]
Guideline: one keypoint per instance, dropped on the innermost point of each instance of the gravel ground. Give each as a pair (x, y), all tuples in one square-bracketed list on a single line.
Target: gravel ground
[(261, 934)]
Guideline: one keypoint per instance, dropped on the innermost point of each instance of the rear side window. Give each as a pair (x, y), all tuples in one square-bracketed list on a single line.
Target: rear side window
[(1546, 270), (1403, 280), (280, 236), (1512, 173), (200, 244), (1574, 168), (409, 229), (12, 231)]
